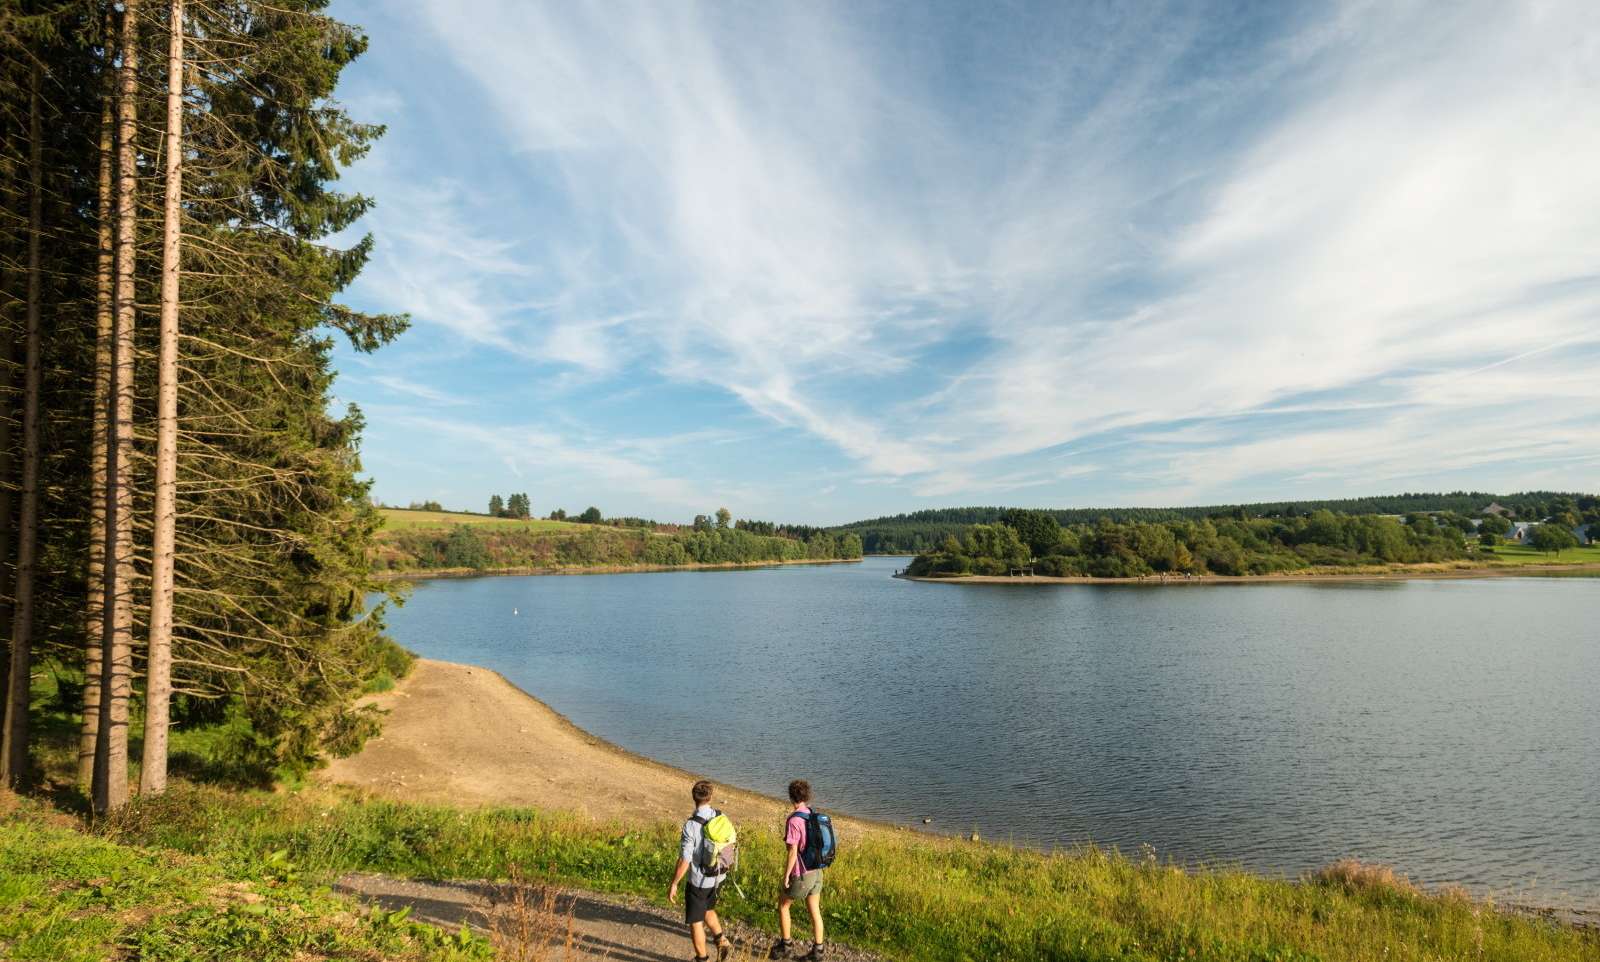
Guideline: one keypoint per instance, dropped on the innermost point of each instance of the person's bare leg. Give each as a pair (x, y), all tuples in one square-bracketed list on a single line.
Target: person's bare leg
[(814, 903), (697, 935), (713, 924), (783, 917)]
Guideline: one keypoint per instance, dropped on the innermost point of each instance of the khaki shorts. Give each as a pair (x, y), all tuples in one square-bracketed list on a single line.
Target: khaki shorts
[(802, 887)]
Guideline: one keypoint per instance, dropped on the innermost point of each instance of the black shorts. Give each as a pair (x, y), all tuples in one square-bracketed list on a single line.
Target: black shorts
[(697, 902)]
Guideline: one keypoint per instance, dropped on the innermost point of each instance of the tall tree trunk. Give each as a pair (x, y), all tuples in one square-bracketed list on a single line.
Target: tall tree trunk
[(111, 743), (10, 418), (9, 414), (14, 753), (158, 676), (104, 266)]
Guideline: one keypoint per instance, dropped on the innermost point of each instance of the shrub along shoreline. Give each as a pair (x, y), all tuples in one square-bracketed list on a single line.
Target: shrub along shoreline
[(425, 574), (529, 550)]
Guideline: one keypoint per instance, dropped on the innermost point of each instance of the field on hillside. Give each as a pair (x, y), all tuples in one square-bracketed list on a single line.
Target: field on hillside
[(402, 519)]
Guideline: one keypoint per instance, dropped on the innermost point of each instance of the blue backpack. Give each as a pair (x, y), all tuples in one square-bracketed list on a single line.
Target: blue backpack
[(821, 841)]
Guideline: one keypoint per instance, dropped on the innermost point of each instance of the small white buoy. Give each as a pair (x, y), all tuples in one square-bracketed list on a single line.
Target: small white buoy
[(514, 611)]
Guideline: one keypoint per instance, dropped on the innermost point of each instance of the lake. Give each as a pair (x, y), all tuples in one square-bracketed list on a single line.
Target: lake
[(1448, 728)]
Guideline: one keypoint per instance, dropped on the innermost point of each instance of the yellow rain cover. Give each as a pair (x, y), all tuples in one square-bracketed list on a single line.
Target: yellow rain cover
[(720, 831)]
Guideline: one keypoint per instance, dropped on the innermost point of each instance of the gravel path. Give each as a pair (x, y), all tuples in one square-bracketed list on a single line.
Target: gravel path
[(560, 926)]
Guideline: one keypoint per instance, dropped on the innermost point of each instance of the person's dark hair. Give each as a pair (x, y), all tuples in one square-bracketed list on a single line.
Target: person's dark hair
[(701, 793), (799, 791)]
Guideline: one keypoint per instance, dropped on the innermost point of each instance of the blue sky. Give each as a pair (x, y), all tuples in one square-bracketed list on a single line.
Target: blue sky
[(817, 262)]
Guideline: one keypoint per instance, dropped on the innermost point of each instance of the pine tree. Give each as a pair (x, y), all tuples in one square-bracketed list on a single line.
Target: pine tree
[(497, 506), (95, 586), (14, 756), (158, 659), (110, 787), (242, 491)]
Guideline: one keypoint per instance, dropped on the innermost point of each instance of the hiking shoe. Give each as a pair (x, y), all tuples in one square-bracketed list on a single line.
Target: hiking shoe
[(780, 949), (724, 946), (817, 953)]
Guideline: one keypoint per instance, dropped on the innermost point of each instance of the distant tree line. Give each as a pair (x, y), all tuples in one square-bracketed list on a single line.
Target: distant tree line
[(513, 506), (485, 547), (917, 532), (1221, 545)]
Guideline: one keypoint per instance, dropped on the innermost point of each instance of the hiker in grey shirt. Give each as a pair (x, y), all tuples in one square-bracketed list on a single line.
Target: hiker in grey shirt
[(700, 901)]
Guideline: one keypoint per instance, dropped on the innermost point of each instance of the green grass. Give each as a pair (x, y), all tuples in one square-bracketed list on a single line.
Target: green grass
[(403, 518), (907, 896), (1516, 554), (66, 896)]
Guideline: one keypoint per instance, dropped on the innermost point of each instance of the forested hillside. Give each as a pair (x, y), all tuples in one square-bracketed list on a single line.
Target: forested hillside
[(920, 531), (487, 547), (187, 536)]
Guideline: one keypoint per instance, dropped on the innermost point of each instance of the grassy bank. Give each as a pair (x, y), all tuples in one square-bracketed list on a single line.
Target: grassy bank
[(68, 896), (1515, 555), (911, 897)]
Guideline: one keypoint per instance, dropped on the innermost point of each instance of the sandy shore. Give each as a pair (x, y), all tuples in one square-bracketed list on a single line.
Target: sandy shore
[(461, 735), (1411, 573)]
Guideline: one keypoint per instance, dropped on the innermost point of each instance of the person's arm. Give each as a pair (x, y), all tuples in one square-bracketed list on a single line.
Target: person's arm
[(791, 840), (685, 852), (677, 876)]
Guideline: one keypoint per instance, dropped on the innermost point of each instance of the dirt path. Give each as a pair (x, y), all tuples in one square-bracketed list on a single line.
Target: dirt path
[(559, 926), (461, 735)]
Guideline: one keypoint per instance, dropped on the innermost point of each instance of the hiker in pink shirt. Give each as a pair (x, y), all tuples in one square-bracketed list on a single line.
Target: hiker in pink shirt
[(799, 882)]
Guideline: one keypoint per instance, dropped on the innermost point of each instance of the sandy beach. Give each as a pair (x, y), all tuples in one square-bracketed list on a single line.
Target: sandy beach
[(462, 735)]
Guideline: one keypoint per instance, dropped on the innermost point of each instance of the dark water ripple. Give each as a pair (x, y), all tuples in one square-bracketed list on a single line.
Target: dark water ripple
[(1449, 728)]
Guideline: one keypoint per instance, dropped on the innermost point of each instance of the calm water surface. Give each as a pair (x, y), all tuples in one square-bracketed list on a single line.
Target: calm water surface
[(1450, 728)]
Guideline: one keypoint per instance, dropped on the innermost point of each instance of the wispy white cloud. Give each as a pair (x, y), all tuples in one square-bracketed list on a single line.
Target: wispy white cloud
[(527, 448), (402, 385), (944, 254)]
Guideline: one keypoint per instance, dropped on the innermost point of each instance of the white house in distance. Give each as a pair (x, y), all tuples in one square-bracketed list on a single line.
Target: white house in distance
[(1522, 532)]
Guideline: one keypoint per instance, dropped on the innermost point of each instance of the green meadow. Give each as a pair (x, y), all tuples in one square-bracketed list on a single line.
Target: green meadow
[(403, 519)]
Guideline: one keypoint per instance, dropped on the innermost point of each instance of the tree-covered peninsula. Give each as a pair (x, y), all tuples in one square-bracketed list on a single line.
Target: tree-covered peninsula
[(1037, 542)]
